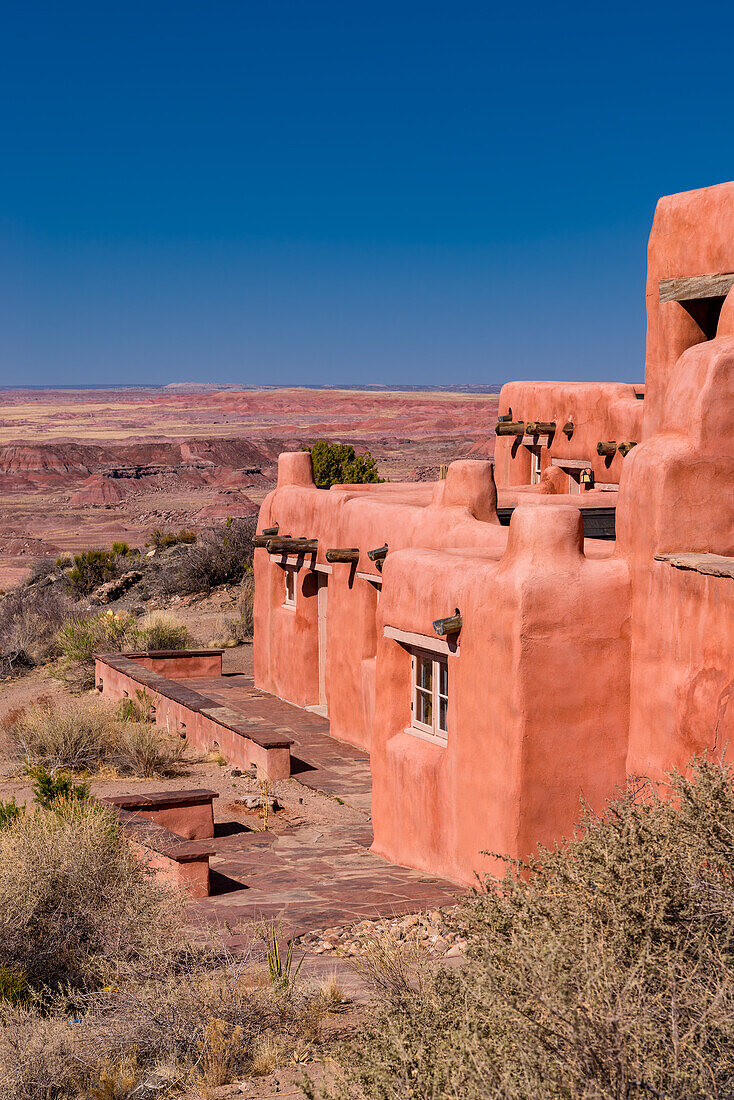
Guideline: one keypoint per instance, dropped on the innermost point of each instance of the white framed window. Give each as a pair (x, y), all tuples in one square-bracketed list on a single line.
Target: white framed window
[(290, 588), (534, 465), (430, 696)]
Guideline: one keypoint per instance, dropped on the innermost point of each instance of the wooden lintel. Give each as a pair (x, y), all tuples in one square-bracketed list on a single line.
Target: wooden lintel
[(695, 286), (379, 554), (608, 447), (540, 427)]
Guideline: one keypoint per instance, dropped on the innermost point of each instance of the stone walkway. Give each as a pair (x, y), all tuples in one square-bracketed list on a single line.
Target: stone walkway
[(307, 877), (318, 761)]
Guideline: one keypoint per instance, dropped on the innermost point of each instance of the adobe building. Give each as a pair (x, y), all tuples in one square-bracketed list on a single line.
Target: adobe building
[(496, 657)]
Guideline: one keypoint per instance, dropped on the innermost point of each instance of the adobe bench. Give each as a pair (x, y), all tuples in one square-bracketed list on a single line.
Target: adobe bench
[(184, 862), (188, 814)]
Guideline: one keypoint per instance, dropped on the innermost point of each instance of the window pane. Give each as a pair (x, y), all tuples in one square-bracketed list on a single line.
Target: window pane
[(442, 711), (443, 678), (424, 668), (424, 707)]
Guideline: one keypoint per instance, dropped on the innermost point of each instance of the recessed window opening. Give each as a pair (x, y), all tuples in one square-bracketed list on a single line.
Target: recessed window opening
[(430, 696), (705, 312), (534, 465), (290, 588)]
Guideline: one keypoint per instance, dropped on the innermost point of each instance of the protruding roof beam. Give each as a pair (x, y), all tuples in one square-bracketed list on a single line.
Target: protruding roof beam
[(343, 554)]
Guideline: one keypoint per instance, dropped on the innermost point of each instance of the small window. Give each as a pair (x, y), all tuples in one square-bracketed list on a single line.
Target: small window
[(534, 465), (430, 698), (290, 587)]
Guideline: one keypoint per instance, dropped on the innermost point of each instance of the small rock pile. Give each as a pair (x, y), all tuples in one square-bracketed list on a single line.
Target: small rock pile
[(431, 931)]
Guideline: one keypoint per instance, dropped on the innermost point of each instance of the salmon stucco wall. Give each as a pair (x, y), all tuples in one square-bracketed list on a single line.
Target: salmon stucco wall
[(538, 706), (599, 411)]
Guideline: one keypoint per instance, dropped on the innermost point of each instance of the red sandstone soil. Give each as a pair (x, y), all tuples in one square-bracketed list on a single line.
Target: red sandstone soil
[(83, 468)]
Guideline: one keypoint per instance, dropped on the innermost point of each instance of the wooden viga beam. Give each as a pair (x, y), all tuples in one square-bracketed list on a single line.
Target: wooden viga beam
[(292, 546), (695, 286), (342, 554), (625, 448), (450, 625), (378, 556), (608, 447), (540, 427), (510, 427), (264, 536), (568, 428)]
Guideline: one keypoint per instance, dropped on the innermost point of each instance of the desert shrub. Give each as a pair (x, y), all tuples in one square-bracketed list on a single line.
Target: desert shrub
[(87, 735), (55, 789), (39, 1059), (163, 632), (161, 540), (242, 627), (75, 905), (122, 549), (606, 970), (92, 568), (80, 734), (222, 555), (10, 811), (339, 464), (137, 709), (30, 619), (142, 751), (79, 639)]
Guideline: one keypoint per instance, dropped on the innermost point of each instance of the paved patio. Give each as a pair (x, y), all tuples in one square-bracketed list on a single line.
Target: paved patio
[(307, 877), (318, 761)]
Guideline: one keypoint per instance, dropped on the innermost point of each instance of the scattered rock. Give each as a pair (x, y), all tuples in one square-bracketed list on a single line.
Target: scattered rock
[(431, 931), (112, 590), (258, 802)]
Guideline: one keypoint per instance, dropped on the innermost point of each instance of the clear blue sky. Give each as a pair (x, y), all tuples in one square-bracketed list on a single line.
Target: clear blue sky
[(311, 191)]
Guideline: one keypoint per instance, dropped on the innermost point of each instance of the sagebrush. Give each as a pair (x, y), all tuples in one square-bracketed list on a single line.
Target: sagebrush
[(604, 969)]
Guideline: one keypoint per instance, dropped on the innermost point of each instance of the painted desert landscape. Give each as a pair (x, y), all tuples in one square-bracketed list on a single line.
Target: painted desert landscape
[(82, 468)]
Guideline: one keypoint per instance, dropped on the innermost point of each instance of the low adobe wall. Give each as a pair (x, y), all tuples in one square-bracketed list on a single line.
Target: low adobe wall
[(186, 713)]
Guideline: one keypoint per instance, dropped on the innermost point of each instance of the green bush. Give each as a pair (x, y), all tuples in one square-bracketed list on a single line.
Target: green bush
[(51, 789), (92, 568), (606, 970), (121, 549), (339, 464), (10, 811), (161, 539)]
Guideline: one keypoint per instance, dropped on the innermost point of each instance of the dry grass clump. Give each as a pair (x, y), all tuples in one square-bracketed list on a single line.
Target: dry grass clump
[(76, 906), (606, 971), (38, 1056), (112, 632), (87, 735), (120, 1004)]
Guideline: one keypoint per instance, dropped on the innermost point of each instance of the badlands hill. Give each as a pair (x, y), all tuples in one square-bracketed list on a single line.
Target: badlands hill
[(82, 468)]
